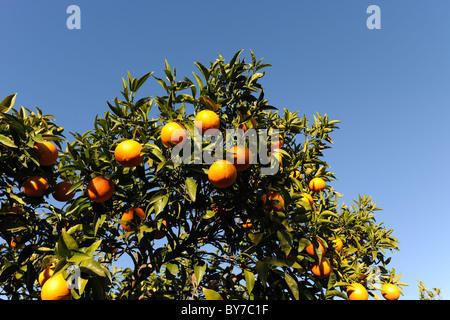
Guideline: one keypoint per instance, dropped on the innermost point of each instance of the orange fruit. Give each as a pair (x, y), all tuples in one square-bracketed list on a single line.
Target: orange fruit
[(248, 224), (321, 269), (159, 234), (337, 243), (56, 288), (45, 275), (241, 157), (316, 185), (277, 142), (46, 152), (222, 174), (356, 291), (207, 120), (35, 186), (60, 193), (129, 216), (100, 189), (16, 242), (390, 291), (128, 153), (173, 133), (307, 197), (273, 196), (312, 250)]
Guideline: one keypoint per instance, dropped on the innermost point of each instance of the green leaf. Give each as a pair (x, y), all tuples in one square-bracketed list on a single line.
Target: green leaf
[(172, 268), (77, 256), (7, 103), (262, 268), (70, 242), (209, 214), (292, 284), (7, 141), (285, 239), (191, 187), (93, 266), (91, 249), (160, 205), (249, 280), (211, 294), (199, 270), (256, 237), (330, 294), (61, 249)]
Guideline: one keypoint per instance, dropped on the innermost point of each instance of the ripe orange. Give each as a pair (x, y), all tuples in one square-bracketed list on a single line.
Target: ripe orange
[(273, 196), (16, 242), (129, 216), (312, 250), (248, 224), (35, 186), (337, 244), (100, 189), (45, 275), (128, 153), (207, 120), (390, 291), (316, 185), (46, 152), (173, 133), (277, 142), (307, 197), (241, 157), (356, 291), (60, 193), (222, 174), (159, 234), (56, 288), (321, 269)]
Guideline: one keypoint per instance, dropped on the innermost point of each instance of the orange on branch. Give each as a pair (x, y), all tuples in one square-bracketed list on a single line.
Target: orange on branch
[(35, 186), (173, 133), (207, 120), (128, 153), (316, 185), (46, 274), (321, 269), (60, 193), (100, 189), (129, 216), (241, 156), (390, 291), (56, 288), (356, 291), (273, 196), (222, 174), (46, 152)]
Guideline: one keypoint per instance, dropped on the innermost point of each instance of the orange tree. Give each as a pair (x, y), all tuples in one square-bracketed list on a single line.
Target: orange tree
[(232, 232)]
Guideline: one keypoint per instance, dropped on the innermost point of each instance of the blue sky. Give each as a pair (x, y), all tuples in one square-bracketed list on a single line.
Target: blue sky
[(389, 87)]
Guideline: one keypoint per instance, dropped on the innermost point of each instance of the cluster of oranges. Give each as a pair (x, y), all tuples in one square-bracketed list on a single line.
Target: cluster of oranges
[(355, 291), (36, 186)]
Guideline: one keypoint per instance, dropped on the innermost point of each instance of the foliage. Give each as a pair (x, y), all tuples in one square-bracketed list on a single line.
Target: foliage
[(206, 251), (426, 294)]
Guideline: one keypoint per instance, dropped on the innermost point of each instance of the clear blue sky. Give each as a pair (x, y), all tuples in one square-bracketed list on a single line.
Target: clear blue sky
[(389, 87)]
